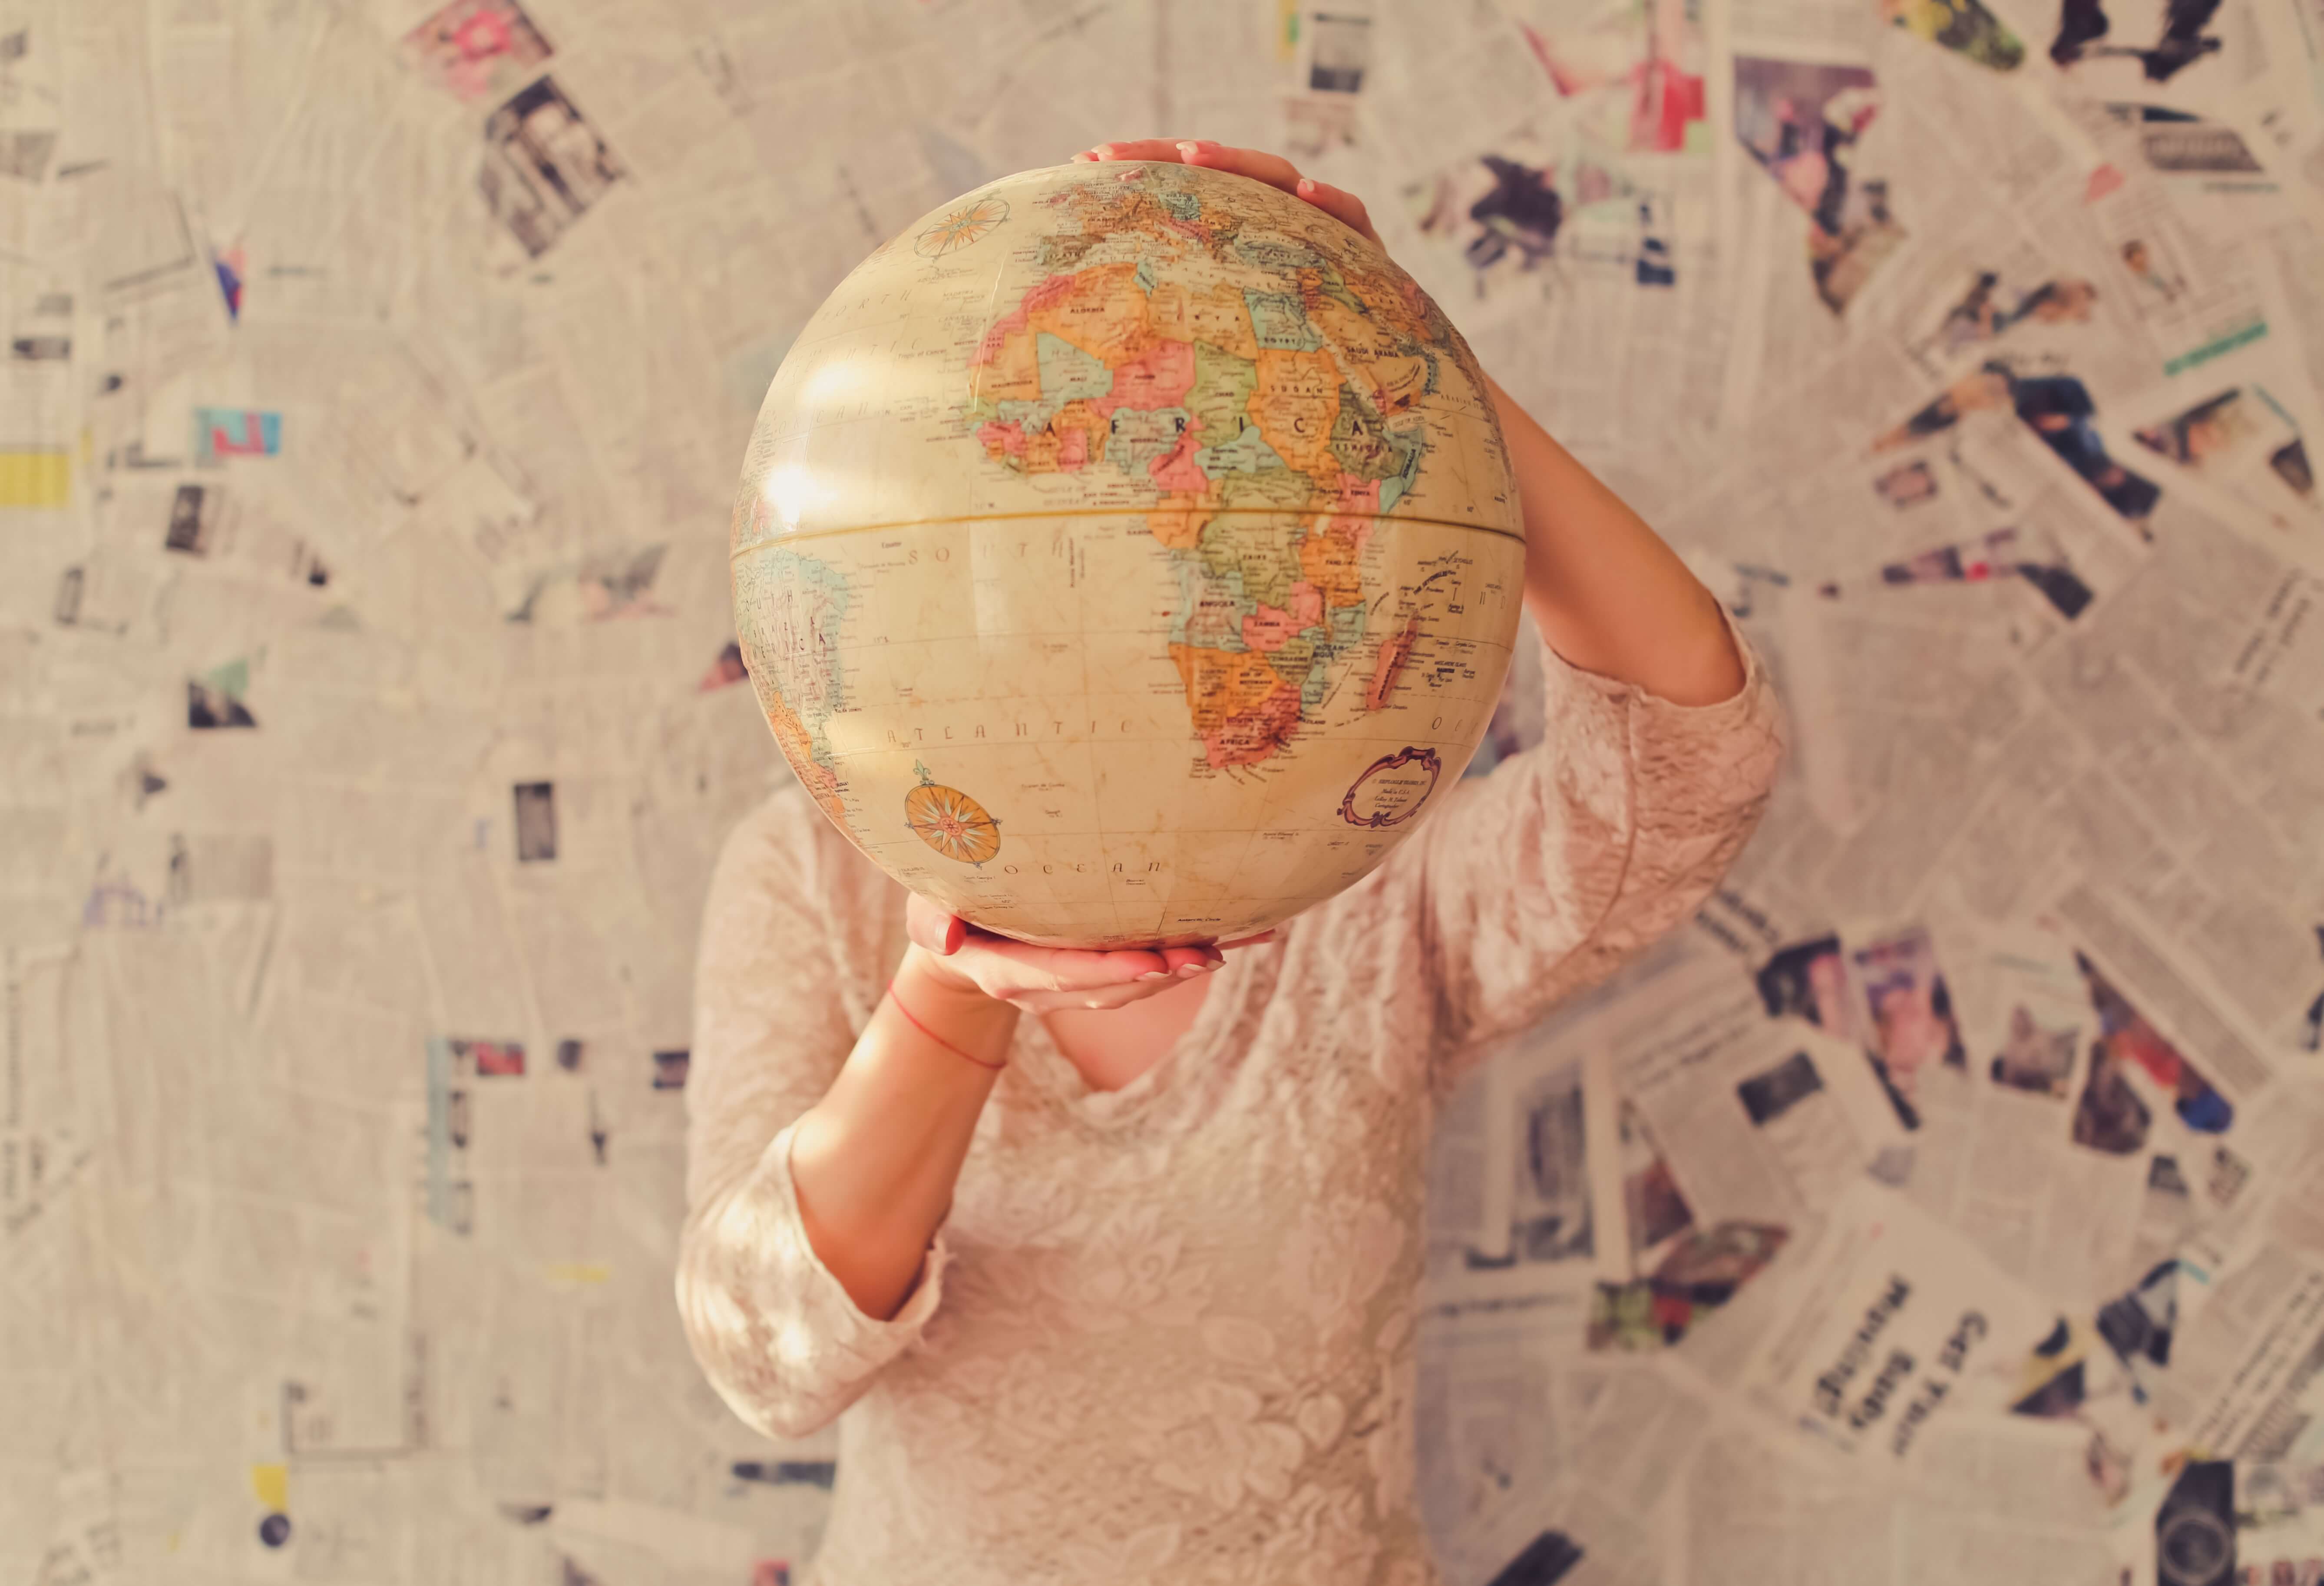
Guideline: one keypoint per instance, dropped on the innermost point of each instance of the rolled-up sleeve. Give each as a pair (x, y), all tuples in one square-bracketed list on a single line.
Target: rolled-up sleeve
[(778, 1336)]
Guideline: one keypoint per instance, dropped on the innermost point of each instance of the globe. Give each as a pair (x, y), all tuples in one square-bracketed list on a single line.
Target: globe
[(1127, 555)]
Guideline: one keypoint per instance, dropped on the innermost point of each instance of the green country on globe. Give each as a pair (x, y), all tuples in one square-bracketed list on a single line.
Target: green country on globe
[(1127, 555)]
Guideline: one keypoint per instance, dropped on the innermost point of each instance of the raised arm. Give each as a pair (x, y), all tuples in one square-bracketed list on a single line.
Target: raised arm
[(772, 1324), (1661, 745), (1609, 596), (828, 1122), (1662, 741), (1538, 881)]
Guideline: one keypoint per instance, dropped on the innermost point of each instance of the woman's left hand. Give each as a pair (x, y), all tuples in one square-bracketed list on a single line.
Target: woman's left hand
[(1273, 170)]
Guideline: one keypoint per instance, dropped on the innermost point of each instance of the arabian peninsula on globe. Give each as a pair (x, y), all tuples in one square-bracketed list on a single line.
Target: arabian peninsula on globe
[(1127, 555)]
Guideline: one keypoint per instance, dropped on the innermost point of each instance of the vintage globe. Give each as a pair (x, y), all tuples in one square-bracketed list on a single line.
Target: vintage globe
[(1127, 553)]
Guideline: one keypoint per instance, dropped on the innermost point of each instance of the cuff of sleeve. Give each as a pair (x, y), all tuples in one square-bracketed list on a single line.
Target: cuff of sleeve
[(832, 1312)]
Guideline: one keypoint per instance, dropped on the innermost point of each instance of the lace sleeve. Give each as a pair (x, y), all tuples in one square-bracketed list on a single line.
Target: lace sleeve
[(1579, 853), (776, 1334)]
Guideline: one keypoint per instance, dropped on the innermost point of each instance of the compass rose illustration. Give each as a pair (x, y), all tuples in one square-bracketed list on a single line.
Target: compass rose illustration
[(960, 226), (949, 821)]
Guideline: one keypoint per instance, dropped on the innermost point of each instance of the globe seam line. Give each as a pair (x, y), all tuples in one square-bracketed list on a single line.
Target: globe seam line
[(793, 538)]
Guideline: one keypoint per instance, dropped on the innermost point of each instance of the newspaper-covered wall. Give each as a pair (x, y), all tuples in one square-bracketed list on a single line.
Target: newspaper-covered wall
[(1942, 1205)]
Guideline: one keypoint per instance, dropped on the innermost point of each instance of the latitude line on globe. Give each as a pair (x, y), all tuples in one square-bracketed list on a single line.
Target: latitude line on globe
[(796, 536), (1166, 742)]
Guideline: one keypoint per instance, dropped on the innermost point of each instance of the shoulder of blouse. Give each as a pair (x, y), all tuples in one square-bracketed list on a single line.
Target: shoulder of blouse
[(788, 857)]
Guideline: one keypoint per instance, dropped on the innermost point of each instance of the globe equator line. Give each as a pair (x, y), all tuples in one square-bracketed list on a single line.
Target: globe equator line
[(1105, 836), (1177, 831), (1144, 740), (1418, 522)]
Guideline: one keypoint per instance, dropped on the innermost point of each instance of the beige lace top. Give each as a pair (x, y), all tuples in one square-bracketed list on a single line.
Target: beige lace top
[(1167, 1332)]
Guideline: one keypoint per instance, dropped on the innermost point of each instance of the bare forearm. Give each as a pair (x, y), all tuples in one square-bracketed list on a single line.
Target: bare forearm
[(1609, 596), (876, 1159)]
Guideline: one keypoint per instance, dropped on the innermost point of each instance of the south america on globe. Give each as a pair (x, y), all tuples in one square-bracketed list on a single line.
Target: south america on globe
[(1127, 555)]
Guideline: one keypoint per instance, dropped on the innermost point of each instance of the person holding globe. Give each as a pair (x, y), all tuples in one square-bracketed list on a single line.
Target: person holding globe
[(1115, 1255)]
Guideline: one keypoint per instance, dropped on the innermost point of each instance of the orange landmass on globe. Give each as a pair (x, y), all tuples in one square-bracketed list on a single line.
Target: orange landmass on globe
[(1100, 310), (1330, 558), (1250, 736), (1218, 315), (1243, 710), (1391, 380), (1013, 370), (797, 745), (1297, 398), (1220, 683), (1179, 520), (1400, 305)]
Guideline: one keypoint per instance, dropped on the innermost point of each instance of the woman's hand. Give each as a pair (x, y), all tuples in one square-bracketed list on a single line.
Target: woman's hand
[(1273, 170), (1038, 979)]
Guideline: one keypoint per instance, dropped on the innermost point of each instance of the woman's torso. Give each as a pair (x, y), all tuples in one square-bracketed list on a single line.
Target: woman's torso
[(1174, 1336)]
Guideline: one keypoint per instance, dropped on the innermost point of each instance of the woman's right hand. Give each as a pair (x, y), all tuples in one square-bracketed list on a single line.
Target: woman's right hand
[(1273, 170), (1039, 979)]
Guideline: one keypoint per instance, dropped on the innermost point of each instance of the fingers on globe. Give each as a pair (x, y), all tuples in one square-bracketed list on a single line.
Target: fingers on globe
[(1137, 149), (1271, 169), (1124, 967), (1105, 1000), (940, 933), (1076, 972), (1338, 203), (1261, 166), (928, 926)]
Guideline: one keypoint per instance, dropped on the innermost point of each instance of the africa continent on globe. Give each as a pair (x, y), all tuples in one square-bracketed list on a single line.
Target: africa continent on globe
[(1127, 555)]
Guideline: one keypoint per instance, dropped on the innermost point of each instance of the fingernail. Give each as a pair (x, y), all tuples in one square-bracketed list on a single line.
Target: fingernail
[(1212, 964), (1103, 152), (1155, 974), (1186, 969), (1307, 184), (1189, 149)]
